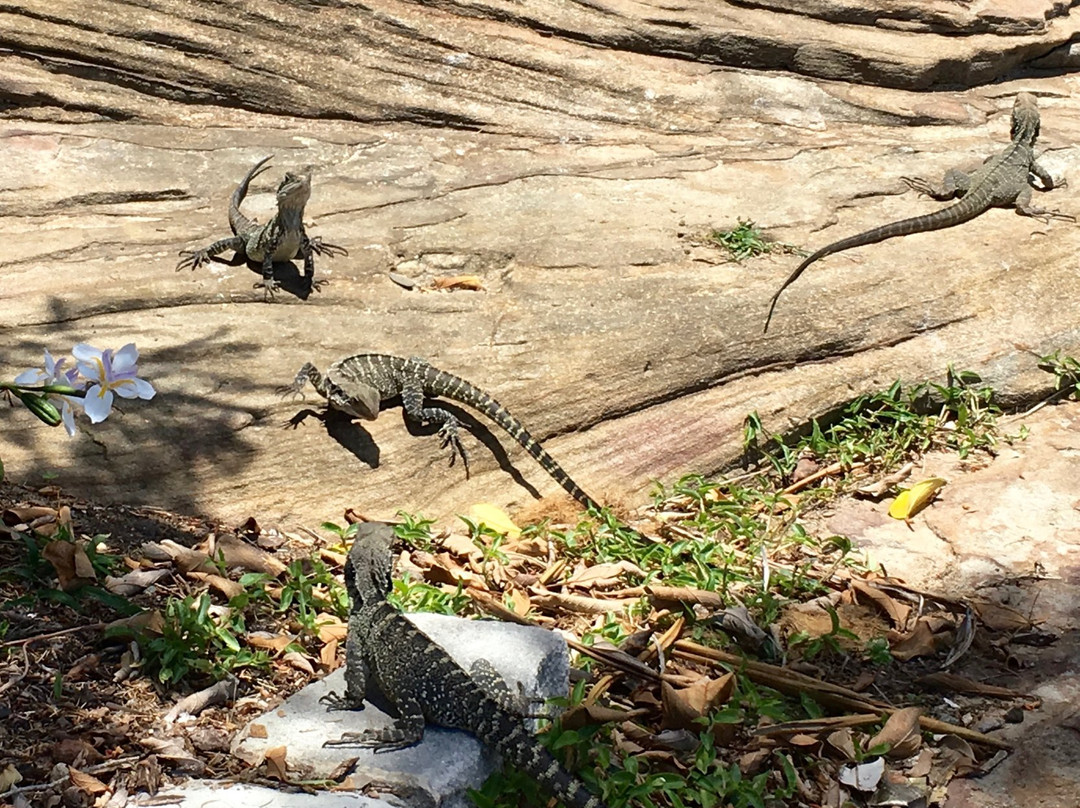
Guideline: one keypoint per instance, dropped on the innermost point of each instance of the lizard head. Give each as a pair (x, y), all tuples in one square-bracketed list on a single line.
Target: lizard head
[(367, 573), (294, 190), (1025, 119)]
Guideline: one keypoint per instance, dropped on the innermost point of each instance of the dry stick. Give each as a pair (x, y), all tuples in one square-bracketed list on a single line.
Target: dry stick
[(793, 683), (828, 471), (49, 636)]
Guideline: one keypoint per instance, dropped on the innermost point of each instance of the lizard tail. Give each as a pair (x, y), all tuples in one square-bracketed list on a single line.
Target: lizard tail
[(957, 213), (527, 754), (461, 391), (238, 221)]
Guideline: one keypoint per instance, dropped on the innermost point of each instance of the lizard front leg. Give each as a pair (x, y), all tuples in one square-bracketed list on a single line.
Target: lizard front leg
[(269, 282), (193, 259), (307, 251), (1045, 179), (412, 401)]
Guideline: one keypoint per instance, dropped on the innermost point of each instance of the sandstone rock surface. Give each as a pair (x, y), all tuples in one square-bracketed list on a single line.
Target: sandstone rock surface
[(562, 153)]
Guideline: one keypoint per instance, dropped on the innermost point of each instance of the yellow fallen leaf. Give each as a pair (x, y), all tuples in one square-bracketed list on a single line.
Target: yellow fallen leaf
[(495, 518), (912, 500)]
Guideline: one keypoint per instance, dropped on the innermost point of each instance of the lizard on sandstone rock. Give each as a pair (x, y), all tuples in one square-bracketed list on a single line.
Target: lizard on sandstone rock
[(357, 385), (424, 683), (1004, 180), (280, 239)]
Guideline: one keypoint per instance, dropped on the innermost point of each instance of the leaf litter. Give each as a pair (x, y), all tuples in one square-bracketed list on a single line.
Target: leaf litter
[(767, 671)]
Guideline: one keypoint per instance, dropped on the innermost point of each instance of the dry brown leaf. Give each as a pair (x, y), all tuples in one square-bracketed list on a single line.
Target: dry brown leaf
[(843, 742), (518, 601), (668, 596), (863, 681), (901, 732), (230, 589), (150, 621), (68, 560), (86, 782), (75, 752), (331, 629), (581, 714), (473, 283), (603, 576), (532, 546), (298, 661), (1001, 618), (328, 655), (83, 568), (134, 582), (920, 642), (272, 642), (238, 553), (461, 546), (258, 731), (683, 705), (804, 741), (921, 767), (275, 763), (445, 571), (576, 604), (9, 777), (896, 611)]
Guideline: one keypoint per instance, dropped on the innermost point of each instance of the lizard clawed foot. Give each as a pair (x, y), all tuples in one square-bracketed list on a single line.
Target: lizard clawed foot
[(192, 259), (920, 185), (450, 437), (369, 739), (335, 702), (318, 283), (270, 285), (320, 247), (302, 416), (291, 390)]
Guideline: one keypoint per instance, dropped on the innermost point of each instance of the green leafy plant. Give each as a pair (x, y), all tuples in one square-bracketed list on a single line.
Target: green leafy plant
[(417, 596), (746, 240), (811, 647), (1066, 370), (193, 641)]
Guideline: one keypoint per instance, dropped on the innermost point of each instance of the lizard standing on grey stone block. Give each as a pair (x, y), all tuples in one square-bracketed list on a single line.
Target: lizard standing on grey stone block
[(280, 239), (357, 385), (424, 683), (1004, 180)]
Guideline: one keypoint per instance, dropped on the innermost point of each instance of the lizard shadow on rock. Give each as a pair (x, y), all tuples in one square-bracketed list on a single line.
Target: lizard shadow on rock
[(352, 437), (475, 427), (286, 274)]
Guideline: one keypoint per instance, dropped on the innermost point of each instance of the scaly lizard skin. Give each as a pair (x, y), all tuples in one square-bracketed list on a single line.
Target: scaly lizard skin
[(357, 385), (1005, 180), (424, 683), (280, 239)]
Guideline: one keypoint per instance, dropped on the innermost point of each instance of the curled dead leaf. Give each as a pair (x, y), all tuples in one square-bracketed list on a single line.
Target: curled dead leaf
[(683, 705), (275, 763), (73, 568), (86, 782), (901, 732)]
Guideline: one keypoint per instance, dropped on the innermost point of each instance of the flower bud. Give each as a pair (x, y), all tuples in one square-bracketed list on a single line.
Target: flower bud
[(41, 407)]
